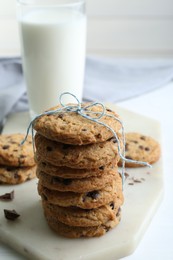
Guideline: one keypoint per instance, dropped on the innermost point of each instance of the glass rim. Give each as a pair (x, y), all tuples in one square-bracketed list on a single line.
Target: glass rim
[(51, 3)]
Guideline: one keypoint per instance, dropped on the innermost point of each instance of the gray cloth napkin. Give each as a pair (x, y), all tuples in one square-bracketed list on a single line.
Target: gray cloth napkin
[(114, 80), (108, 80)]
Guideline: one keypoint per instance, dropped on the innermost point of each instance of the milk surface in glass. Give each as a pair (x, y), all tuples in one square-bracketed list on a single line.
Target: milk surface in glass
[(53, 46)]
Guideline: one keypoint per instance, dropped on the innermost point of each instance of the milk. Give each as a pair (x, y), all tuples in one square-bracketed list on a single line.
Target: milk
[(53, 50)]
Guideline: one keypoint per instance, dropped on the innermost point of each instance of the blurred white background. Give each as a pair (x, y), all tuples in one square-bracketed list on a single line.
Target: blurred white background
[(119, 28)]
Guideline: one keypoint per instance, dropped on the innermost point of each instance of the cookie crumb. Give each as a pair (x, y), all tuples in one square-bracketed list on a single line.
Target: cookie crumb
[(136, 180), (126, 175)]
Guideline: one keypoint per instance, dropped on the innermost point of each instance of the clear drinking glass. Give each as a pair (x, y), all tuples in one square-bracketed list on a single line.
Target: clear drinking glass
[(53, 46)]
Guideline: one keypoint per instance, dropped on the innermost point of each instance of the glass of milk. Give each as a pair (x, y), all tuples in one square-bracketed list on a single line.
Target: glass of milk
[(53, 46)]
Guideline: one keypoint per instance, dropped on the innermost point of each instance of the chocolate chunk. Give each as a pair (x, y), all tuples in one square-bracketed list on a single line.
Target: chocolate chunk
[(11, 214), (7, 196), (93, 194)]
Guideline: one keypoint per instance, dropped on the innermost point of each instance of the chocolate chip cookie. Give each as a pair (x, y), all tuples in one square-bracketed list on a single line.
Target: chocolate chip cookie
[(16, 175), (74, 216), (75, 156), (77, 232), (12, 153), (85, 200), (72, 128), (72, 173), (76, 185), (140, 147)]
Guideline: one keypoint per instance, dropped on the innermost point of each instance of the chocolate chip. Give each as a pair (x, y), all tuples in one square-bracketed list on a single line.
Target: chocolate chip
[(9, 169), (147, 148), (114, 140), (109, 110), (118, 212), (67, 181), (65, 146), (101, 168), (11, 214), (128, 157), (22, 156), (142, 137), (7, 196), (61, 115), (107, 228), (16, 176), (4, 147), (44, 196), (141, 147), (56, 180), (62, 181), (134, 141), (112, 205), (93, 194), (43, 163), (84, 129), (49, 149)]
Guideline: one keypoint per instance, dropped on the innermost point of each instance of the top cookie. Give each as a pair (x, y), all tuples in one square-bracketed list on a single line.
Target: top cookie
[(141, 148), (72, 128), (14, 154)]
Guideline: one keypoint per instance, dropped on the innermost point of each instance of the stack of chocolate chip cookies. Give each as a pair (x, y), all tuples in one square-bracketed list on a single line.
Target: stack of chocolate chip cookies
[(17, 162), (79, 183)]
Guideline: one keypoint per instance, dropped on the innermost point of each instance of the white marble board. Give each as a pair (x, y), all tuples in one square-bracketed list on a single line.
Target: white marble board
[(30, 234)]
